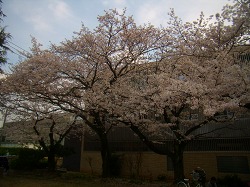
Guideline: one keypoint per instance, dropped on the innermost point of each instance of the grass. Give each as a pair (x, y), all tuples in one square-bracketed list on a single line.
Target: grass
[(68, 179)]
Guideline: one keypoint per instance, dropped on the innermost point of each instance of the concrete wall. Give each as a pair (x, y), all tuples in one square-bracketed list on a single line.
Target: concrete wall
[(207, 161), (149, 165), (73, 161)]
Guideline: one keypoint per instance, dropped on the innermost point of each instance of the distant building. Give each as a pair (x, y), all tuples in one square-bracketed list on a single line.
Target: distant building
[(223, 152)]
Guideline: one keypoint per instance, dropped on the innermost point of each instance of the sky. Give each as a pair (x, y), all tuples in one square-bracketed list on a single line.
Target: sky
[(53, 21)]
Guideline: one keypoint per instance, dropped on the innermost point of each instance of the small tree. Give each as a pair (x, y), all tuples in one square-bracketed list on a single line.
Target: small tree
[(58, 131), (32, 121), (4, 37)]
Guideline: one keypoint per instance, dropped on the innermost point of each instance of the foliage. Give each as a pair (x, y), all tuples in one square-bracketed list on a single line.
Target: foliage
[(4, 37), (47, 131), (10, 150), (29, 159)]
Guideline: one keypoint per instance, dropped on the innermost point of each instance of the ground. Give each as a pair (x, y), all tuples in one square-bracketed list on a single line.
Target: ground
[(68, 179)]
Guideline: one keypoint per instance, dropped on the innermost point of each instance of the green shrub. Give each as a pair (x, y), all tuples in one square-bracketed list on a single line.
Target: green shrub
[(29, 159), (10, 150)]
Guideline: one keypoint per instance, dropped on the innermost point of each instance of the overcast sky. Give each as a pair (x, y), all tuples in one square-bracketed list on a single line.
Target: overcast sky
[(55, 20)]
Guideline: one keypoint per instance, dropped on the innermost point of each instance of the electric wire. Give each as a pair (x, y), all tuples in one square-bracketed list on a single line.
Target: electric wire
[(17, 46), (18, 51)]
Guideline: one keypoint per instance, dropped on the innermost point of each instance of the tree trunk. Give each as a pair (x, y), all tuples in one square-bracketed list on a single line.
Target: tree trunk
[(177, 159), (51, 159), (176, 154), (96, 123), (106, 156)]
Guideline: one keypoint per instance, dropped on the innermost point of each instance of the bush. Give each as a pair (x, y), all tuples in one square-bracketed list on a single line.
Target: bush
[(29, 159), (10, 150)]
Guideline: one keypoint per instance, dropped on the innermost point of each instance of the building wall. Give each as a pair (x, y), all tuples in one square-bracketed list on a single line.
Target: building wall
[(72, 162), (149, 165), (91, 162), (208, 162)]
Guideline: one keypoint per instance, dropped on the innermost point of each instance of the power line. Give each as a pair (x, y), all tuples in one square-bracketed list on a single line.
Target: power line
[(19, 53), (17, 46)]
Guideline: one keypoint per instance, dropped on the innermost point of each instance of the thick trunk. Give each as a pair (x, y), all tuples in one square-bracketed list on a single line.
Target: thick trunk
[(178, 161), (97, 124), (106, 156), (51, 161), (176, 154), (50, 152), (178, 168)]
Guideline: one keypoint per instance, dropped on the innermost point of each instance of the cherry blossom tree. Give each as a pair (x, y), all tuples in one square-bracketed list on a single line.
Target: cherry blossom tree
[(33, 121), (121, 72), (162, 106), (76, 75), (202, 74)]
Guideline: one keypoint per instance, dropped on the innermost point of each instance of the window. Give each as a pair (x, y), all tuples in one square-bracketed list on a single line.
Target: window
[(224, 115), (232, 164), (194, 116)]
